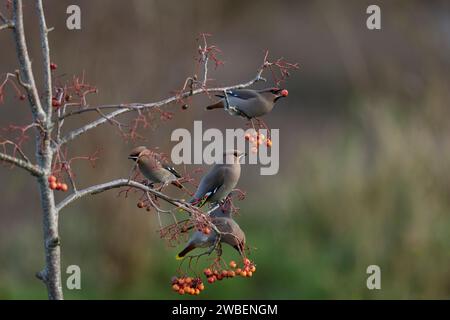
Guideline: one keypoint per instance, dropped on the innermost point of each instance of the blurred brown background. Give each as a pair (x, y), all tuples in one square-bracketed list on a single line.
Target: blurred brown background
[(364, 175)]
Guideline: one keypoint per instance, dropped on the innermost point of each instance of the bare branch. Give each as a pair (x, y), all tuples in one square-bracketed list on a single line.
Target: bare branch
[(25, 63), (43, 31), (6, 23), (123, 183), (33, 169), (122, 108), (3, 18)]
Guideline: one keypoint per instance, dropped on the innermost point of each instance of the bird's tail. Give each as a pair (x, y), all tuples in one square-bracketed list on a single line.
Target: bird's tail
[(217, 105), (185, 251)]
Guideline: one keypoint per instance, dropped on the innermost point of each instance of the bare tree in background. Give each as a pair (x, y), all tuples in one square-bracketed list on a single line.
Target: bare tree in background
[(56, 103)]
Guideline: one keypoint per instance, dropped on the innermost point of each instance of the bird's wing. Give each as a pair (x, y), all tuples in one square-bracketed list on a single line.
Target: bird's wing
[(198, 240), (243, 94), (171, 170), (210, 183), (166, 165), (230, 231)]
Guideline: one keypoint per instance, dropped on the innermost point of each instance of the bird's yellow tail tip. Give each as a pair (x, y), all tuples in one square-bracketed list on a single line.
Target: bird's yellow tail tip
[(178, 257)]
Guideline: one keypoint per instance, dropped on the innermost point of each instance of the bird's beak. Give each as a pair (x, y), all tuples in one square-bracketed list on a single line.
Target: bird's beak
[(134, 158)]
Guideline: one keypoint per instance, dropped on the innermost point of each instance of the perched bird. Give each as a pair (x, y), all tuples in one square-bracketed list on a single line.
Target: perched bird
[(153, 167), (229, 232), (220, 179), (249, 103)]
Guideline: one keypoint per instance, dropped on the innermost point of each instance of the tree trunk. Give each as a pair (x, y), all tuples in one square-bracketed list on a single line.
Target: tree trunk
[(51, 274)]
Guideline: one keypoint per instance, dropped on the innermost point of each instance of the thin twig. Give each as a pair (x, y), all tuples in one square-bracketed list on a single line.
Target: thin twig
[(127, 108)]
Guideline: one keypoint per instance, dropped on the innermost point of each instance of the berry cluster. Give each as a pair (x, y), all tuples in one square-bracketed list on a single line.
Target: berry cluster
[(187, 285), (256, 139), (246, 271), (54, 184)]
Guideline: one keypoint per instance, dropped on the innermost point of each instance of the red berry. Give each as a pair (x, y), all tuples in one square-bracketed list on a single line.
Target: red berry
[(58, 186), (53, 66), (284, 93), (51, 179), (207, 272), (211, 279), (56, 103), (22, 97), (64, 187), (53, 185)]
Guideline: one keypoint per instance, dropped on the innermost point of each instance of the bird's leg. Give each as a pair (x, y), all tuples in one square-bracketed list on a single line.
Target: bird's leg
[(148, 183)]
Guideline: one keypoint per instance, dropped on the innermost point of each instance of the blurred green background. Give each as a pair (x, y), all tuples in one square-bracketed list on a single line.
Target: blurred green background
[(365, 150)]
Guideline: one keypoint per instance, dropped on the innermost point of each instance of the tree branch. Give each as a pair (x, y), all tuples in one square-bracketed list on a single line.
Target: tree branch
[(31, 168), (118, 184), (122, 108), (43, 31), (25, 63), (6, 23)]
